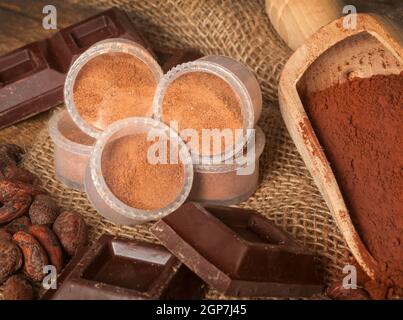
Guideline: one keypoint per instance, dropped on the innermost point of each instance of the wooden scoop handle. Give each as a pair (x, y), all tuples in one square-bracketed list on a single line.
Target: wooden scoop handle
[(297, 20)]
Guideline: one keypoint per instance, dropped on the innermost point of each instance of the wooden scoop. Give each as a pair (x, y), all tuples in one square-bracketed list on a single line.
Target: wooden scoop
[(296, 20), (334, 55)]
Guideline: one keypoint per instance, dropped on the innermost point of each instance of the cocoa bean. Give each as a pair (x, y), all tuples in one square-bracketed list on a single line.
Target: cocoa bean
[(12, 172), (50, 243), (10, 259), (71, 230), (19, 224), (35, 257), (43, 210), (14, 207), (336, 291), (10, 154), (18, 287), (5, 235), (16, 198), (9, 189)]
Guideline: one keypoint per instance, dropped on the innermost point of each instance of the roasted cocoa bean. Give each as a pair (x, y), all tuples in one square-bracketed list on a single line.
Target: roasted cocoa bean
[(10, 154), (15, 207), (18, 287), (12, 172), (43, 210), (71, 230), (8, 189), (35, 257), (5, 235), (336, 291), (19, 224), (16, 198), (50, 243), (10, 259)]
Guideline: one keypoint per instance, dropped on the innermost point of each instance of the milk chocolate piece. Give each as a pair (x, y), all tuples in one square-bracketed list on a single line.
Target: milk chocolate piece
[(32, 77), (114, 268), (238, 252)]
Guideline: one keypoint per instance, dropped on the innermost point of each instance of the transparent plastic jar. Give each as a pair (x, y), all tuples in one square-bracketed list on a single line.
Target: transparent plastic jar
[(223, 184), (72, 150), (100, 195), (238, 77), (116, 45)]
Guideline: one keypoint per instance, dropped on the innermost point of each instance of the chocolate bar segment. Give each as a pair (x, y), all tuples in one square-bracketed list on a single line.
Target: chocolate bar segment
[(238, 252), (70, 42), (169, 58), (29, 83), (32, 77), (123, 269)]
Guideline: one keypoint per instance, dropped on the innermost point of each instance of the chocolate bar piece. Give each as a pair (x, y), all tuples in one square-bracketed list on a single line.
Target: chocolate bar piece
[(32, 77), (115, 268), (238, 252), (169, 58)]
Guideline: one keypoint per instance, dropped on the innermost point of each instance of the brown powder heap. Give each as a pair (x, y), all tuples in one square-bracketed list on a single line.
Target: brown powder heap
[(200, 100), (113, 86), (360, 125), (70, 131), (136, 182)]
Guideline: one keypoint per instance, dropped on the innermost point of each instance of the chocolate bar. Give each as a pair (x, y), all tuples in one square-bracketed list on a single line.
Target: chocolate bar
[(32, 77), (115, 268), (238, 252), (169, 58)]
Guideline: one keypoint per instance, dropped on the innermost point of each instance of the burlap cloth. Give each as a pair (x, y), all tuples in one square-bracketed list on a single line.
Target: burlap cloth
[(240, 29)]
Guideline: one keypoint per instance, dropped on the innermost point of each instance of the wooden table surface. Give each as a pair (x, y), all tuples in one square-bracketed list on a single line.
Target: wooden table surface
[(21, 20)]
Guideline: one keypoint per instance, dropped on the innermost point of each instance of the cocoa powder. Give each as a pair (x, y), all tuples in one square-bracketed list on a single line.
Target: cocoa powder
[(113, 86), (135, 181), (200, 100), (359, 123)]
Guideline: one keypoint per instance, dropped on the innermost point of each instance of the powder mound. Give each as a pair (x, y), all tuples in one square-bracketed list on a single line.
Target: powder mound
[(360, 125), (135, 181), (200, 100), (113, 86)]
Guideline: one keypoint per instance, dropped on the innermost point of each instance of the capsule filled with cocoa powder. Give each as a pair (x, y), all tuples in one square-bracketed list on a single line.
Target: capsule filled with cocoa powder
[(140, 170), (114, 79), (213, 93), (72, 149), (232, 181)]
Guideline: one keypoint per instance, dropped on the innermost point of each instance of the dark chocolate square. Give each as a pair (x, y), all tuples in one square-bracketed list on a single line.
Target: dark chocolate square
[(124, 269), (238, 252), (32, 77)]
